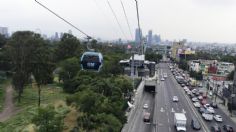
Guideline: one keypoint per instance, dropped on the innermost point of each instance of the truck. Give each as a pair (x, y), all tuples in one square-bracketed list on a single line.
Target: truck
[(180, 122)]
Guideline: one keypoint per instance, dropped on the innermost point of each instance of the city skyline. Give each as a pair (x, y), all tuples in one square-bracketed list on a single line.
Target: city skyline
[(199, 21)]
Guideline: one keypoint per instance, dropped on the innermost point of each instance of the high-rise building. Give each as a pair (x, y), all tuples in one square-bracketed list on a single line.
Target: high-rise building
[(138, 35), (4, 31), (156, 39), (149, 37)]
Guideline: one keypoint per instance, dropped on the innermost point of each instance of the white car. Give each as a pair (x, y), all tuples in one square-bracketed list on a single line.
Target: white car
[(210, 110), (207, 105), (200, 97), (218, 118), (197, 104), (145, 106), (194, 99), (208, 117), (162, 79), (175, 99)]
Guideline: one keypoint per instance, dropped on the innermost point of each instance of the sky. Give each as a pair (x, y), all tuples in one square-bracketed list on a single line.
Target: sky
[(194, 20)]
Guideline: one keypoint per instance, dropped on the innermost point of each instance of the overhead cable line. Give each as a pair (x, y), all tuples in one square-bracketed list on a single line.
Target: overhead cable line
[(63, 19), (116, 19), (106, 17), (127, 21)]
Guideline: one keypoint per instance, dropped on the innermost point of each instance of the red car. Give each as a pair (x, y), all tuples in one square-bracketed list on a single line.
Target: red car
[(203, 102)]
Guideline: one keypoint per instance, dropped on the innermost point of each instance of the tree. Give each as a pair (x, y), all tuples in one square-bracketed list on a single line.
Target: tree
[(231, 75), (153, 57), (67, 47), (19, 49), (3, 40), (42, 67), (183, 65), (69, 69), (48, 120)]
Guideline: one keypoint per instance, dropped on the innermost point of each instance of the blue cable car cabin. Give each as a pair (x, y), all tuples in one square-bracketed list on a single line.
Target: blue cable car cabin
[(92, 61)]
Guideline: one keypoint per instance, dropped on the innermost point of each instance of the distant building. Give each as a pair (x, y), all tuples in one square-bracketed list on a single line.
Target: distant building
[(138, 35), (4, 31), (176, 49), (156, 39), (149, 38)]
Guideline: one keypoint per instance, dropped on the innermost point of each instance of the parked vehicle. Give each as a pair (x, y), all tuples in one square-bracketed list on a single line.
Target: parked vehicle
[(180, 121), (201, 110)]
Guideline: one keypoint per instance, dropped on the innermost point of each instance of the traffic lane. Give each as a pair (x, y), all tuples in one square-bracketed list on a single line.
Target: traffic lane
[(181, 105), (226, 119), (187, 104), (138, 125), (184, 106), (161, 110)]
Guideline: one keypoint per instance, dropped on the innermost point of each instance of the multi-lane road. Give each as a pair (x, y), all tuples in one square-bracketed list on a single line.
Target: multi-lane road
[(162, 108)]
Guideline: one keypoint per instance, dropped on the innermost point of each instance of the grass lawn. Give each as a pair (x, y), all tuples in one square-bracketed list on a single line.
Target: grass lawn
[(3, 85), (50, 94)]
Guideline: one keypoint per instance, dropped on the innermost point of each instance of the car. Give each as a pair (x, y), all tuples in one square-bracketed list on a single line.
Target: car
[(203, 101), (210, 110), (214, 105), (197, 93), (218, 118), (175, 99), (207, 105), (194, 99), (146, 117), (162, 79), (195, 124), (197, 104), (200, 97), (207, 116), (182, 85), (201, 110), (228, 128), (215, 129), (145, 106)]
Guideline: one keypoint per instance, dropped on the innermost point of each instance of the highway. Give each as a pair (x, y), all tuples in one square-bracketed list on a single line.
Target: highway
[(135, 119), (162, 108)]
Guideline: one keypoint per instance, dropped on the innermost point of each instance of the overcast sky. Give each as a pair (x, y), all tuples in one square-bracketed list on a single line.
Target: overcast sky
[(195, 20)]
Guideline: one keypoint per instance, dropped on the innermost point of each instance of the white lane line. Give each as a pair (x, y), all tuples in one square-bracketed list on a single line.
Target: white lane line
[(162, 110), (168, 120), (183, 111), (172, 110), (169, 129)]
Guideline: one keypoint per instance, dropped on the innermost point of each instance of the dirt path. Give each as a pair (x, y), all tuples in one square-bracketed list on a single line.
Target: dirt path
[(8, 109)]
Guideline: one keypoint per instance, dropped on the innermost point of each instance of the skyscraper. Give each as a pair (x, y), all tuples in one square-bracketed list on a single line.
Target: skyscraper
[(4, 31), (138, 35), (156, 39), (149, 37)]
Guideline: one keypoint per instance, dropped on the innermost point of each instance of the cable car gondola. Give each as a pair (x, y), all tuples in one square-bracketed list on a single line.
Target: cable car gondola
[(92, 61)]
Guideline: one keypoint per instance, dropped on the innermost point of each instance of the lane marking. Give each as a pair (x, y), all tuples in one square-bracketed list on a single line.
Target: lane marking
[(172, 110), (183, 111), (168, 120), (169, 129)]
